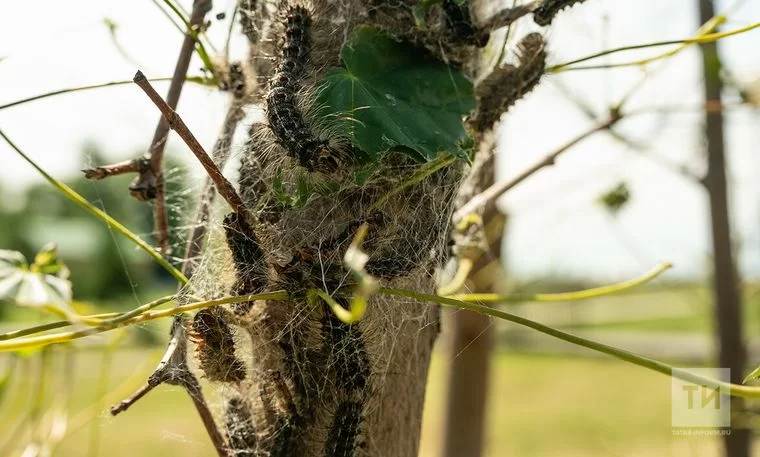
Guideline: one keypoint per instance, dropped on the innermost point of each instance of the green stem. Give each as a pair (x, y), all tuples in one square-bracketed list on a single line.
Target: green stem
[(92, 320), (95, 319), (568, 296), (166, 14), (45, 340), (735, 390), (699, 39), (194, 79), (45, 327), (229, 34), (100, 214)]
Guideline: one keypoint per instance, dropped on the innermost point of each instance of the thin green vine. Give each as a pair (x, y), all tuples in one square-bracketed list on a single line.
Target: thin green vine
[(18, 344), (735, 390), (568, 296), (698, 39), (193, 79)]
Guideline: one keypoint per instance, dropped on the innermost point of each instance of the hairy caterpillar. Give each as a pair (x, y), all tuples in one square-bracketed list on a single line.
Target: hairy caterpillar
[(285, 118), (544, 14), (341, 439), (236, 80), (241, 435), (532, 54), (280, 405), (507, 84), (347, 354), (250, 265), (215, 347), (247, 9)]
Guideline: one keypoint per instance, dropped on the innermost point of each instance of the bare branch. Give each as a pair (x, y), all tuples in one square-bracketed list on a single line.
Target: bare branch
[(128, 166), (127, 402), (173, 369), (498, 189), (158, 144), (175, 122)]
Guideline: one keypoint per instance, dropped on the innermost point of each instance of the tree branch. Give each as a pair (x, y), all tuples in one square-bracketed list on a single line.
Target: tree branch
[(498, 189), (149, 184), (175, 122), (173, 369), (158, 144), (138, 165)]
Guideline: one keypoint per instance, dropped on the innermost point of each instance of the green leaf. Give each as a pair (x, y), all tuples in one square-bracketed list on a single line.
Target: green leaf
[(279, 191), (616, 198), (394, 94), (44, 284)]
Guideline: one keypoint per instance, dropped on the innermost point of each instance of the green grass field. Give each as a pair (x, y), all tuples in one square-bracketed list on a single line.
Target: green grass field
[(539, 406)]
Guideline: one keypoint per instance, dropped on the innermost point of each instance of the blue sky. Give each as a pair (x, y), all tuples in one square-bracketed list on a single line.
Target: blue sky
[(557, 228)]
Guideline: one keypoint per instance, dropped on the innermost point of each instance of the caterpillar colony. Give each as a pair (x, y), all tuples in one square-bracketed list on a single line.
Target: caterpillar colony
[(297, 381)]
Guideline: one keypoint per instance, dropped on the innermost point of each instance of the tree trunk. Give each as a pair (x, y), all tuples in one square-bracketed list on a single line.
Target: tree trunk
[(309, 384), (728, 311)]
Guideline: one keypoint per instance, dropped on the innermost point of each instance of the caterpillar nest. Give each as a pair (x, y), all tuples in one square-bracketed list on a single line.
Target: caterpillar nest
[(299, 381)]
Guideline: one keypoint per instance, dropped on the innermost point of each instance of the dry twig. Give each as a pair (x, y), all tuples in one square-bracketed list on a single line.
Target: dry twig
[(498, 189), (223, 186), (149, 184)]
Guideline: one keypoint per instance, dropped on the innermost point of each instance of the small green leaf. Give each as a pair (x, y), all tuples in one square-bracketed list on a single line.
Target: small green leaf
[(291, 197), (616, 198), (755, 374), (395, 94), (324, 187), (44, 284)]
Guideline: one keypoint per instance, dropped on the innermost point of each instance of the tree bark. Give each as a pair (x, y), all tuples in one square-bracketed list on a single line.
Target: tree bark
[(728, 310), (316, 386)]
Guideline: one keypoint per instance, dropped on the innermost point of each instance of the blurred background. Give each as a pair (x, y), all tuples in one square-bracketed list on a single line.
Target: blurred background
[(568, 228)]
